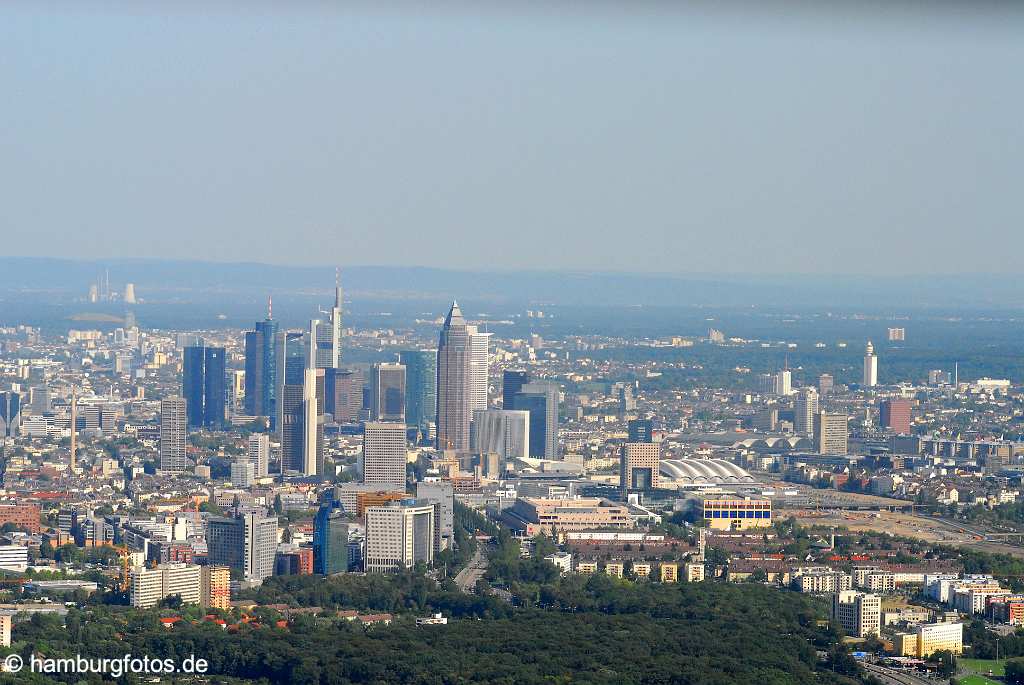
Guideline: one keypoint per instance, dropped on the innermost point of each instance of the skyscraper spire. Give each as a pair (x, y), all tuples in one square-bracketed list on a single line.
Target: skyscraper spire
[(328, 342), (454, 316), (270, 307)]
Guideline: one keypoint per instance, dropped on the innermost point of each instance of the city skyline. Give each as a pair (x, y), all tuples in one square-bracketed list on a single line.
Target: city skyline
[(610, 342), (594, 462)]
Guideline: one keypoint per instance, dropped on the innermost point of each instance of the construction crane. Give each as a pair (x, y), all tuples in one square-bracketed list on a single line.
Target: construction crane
[(125, 557)]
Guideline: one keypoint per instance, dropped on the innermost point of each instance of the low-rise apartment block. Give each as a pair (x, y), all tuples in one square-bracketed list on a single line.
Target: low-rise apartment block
[(542, 515)]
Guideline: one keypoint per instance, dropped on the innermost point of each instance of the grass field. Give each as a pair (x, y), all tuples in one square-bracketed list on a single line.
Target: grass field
[(977, 680), (982, 666)]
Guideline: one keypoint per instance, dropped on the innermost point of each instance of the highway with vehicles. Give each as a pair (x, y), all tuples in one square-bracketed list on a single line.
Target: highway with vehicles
[(897, 676), (474, 571)]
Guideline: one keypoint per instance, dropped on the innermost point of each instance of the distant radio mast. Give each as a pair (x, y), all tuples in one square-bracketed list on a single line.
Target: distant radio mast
[(74, 418)]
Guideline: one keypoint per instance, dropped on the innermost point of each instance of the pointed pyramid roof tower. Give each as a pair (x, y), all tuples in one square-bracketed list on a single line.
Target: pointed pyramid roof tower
[(454, 316)]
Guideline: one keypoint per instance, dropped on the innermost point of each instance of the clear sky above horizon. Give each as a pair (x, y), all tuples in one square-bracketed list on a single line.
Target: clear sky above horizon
[(767, 137)]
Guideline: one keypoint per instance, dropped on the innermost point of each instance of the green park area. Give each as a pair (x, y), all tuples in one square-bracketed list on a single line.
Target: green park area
[(975, 679), (983, 666), (976, 671)]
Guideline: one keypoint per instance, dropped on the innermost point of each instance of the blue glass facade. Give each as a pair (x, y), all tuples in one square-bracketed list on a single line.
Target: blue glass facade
[(203, 386)]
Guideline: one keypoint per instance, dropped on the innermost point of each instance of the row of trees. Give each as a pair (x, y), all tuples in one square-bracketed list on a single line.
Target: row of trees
[(409, 592)]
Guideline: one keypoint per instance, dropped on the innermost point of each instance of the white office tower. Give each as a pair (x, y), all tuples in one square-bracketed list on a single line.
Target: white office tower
[(246, 542), (479, 367), (310, 344), (870, 379), (260, 545), (804, 411), (784, 382), (129, 293), (831, 433), (384, 455), (13, 558), (504, 432), (328, 334), (312, 407), (259, 453), (441, 493), (236, 392), (151, 585), (858, 613), (312, 424), (173, 434), (243, 473), (400, 536)]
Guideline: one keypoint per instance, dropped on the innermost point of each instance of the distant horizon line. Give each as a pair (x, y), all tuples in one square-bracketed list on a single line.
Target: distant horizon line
[(574, 271)]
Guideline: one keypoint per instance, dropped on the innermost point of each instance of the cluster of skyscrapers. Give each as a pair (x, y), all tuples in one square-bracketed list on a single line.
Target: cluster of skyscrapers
[(527, 423), (294, 380)]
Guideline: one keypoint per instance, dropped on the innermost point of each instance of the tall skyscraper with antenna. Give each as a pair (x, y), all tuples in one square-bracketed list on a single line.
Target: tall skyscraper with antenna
[(453, 382), (328, 336)]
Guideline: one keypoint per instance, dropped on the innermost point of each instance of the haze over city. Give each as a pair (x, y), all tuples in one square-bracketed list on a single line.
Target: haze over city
[(867, 138)]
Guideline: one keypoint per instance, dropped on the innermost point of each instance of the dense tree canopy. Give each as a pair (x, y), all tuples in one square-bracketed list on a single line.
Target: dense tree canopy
[(587, 630)]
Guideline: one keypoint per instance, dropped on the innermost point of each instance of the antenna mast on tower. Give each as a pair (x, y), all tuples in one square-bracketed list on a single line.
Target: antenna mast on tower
[(74, 419)]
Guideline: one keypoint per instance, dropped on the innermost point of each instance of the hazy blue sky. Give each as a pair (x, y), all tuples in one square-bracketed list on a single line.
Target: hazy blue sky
[(770, 137)]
